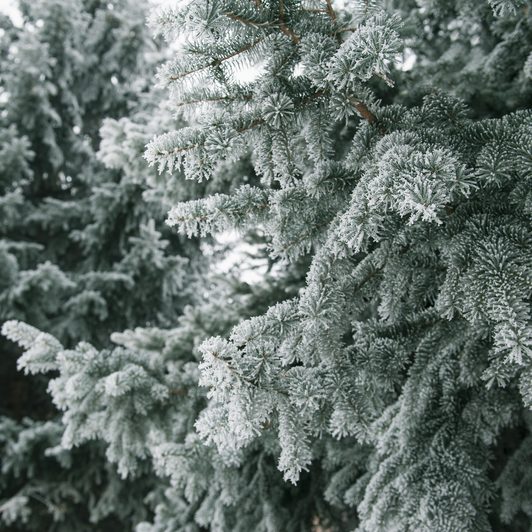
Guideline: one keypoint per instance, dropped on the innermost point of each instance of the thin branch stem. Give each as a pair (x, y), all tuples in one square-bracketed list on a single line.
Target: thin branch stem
[(282, 24), (178, 392)]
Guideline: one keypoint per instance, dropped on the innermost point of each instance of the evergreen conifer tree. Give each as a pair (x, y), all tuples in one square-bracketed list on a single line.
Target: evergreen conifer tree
[(81, 252), (378, 377)]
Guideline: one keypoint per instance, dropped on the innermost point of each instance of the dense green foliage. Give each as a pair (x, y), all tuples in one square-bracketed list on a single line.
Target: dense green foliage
[(377, 376)]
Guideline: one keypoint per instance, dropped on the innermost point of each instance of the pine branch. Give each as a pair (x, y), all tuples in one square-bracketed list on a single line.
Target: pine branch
[(248, 22), (361, 107), (218, 61), (280, 24), (245, 97)]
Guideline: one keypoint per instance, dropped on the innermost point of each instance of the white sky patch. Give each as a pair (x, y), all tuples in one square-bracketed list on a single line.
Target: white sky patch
[(10, 8), (248, 74), (239, 257), (164, 2), (408, 60)]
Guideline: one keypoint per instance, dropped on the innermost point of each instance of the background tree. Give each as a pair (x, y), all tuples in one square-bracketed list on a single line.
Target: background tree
[(81, 252)]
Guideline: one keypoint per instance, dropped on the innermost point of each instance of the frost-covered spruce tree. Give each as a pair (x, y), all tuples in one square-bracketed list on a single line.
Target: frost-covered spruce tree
[(402, 367), (389, 390), (81, 252)]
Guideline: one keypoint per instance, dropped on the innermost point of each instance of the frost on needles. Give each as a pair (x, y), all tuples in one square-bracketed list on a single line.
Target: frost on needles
[(378, 377)]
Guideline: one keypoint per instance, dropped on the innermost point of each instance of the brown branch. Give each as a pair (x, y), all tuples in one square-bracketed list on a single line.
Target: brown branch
[(282, 24), (254, 124), (178, 392), (332, 15), (361, 107), (345, 30), (330, 11), (363, 110)]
